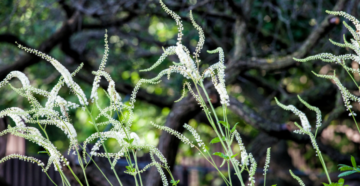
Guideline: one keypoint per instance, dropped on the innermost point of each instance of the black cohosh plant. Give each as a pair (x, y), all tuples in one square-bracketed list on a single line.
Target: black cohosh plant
[(55, 112), (49, 115), (188, 67), (305, 127)]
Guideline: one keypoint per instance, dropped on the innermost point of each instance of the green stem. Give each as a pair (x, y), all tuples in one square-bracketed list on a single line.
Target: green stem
[(136, 167), (95, 165), (228, 151), (229, 172), (49, 176), (106, 152), (357, 126), (77, 179)]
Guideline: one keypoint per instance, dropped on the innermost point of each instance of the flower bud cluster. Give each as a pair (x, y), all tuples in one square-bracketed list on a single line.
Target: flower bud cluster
[(169, 51), (267, 160), (346, 95), (175, 133), (304, 121), (243, 153), (18, 115), (201, 144), (347, 16), (62, 70), (24, 158), (21, 76), (252, 170), (177, 19), (186, 60), (201, 42)]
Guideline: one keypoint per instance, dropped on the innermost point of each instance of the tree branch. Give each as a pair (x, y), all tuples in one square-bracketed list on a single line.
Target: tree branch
[(310, 42), (68, 28)]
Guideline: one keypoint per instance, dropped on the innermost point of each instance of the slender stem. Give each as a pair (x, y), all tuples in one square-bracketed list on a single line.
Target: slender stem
[(265, 179), (228, 151), (320, 156), (136, 166), (77, 179), (313, 141), (212, 108), (357, 126), (350, 75), (228, 163), (63, 175), (49, 176), (95, 165), (106, 152), (58, 168)]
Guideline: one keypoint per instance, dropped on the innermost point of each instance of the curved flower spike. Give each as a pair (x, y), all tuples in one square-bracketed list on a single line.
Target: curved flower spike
[(304, 121)]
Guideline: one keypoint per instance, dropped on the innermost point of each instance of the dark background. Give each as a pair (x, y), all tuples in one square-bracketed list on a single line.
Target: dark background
[(259, 38)]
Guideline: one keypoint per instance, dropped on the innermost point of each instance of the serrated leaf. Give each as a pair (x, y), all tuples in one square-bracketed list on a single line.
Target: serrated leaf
[(346, 173), (217, 140), (234, 127), (353, 162), (225, 124)]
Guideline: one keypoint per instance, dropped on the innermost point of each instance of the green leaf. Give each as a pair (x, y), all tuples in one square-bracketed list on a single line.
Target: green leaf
[(221, 155), (226, 124), (234, 155), (347, 168), (332, 184), (174, 182), (343, 165), (234, 127), (341, 181), (42, 152), (353, 162), (217, 140), (357, 169), (273, 185), (130, 168), (346, 173), (129, 141)]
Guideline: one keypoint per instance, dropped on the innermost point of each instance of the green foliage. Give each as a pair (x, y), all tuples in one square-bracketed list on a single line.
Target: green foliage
[(339, 183), (217, 139), (348, 170)]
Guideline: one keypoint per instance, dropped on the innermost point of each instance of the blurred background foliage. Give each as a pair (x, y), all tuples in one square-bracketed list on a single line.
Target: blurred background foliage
[(138, 31)]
